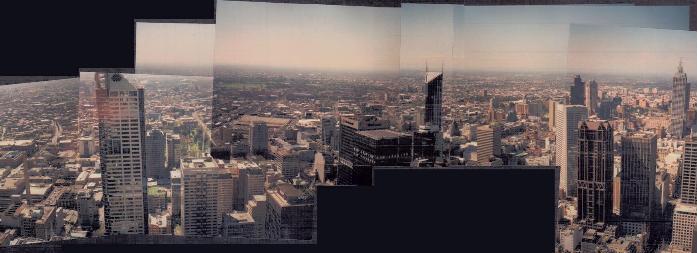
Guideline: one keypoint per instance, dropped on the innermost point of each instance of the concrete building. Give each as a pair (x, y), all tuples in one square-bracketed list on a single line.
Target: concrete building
[(488, 143), (256, 207), (175, 189), (239, 224), (258, 138), (566, 131), (684, 221), (121, 117), (688, 178), (204, 190), (252, 180), (290, 213)]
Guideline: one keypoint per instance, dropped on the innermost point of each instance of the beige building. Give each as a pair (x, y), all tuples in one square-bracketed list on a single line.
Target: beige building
[(206, 194)]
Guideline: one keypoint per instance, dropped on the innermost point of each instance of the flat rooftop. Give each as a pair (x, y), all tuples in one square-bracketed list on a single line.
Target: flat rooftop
[(382, 134)]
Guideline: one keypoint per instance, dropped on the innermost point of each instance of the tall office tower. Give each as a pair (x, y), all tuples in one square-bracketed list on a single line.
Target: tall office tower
[(577, 92), (679, 104), (552, 106), (258, 138), (328, 126), (488, 142), (349, 128), (173, 156), (684, 221), (155, 157), (252, 180), (591, 97), (290, 213), (433, 89), (203, 196), (121, 118), (566, 131), (595, 171), (638, 181), (688, 177)]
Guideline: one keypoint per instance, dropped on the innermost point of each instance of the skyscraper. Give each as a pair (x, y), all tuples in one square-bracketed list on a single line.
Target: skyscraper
[(577, 92), (595, 171), (328, 126), (591, 96), (638, 177), (433, 89), (258, 138), (290, 213), (173, 156), (688, 178), (684, 221), (566, 147), (121, 118), (252, 180), (155, 158), (488, 142), (350, 126), (679, 104), (205, 196)]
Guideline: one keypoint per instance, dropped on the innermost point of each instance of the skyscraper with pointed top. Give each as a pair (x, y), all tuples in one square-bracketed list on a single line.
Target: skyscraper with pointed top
[(679, 104), (433, 89), (577, 92), (595, 171)]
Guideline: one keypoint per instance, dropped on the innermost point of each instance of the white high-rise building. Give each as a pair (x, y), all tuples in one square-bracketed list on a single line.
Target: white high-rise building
[(206, 194), (121, 117), (566, 130), (684, 221), (488, 143)]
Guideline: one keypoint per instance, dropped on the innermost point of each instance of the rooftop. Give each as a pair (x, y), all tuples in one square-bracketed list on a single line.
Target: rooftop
[(430, 76), (381, 134)]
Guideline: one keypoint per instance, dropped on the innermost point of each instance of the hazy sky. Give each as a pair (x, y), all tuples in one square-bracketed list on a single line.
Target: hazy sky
[(427, 35), (627, 50), (664, 17), (514, 38), (178, 45), (307, 36)]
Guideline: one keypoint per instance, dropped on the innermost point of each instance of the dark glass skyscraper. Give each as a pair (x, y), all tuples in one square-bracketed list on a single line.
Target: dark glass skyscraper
[(433, 89), (595, 171), (155, 147), (637, 177), (577, 92)]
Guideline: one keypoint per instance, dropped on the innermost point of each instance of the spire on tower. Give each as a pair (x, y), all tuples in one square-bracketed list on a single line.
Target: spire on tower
[(680, 70)]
